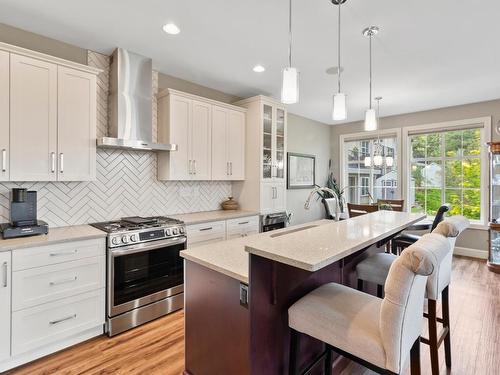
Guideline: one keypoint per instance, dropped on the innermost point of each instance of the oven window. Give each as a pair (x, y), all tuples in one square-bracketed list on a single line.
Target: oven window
[(270, 227), (144, 273)]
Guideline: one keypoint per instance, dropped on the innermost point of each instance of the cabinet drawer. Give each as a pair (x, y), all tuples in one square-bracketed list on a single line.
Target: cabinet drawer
[(207, 232), (57, 253), (41, 325), (250, 223), (35, 286)]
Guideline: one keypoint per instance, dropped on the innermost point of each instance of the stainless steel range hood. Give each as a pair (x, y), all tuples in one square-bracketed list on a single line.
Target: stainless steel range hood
[(130, 104)]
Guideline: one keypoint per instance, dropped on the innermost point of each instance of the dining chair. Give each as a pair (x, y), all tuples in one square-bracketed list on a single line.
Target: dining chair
[(381, 334), (375, 269), (403, 240), (395, 204), (360, 209)]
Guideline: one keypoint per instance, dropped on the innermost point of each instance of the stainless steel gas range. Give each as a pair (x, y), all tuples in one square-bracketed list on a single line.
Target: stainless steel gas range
[(145, 272)]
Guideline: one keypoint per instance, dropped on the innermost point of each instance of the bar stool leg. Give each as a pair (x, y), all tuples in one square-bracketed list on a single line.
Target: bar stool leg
[(328, 361), (294, 352), (433, 340), (415, 358), (446, 324), (380, 291), (360, 285)]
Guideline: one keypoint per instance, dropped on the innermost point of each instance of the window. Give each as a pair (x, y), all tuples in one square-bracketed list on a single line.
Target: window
[(447, 167), (367, 183)]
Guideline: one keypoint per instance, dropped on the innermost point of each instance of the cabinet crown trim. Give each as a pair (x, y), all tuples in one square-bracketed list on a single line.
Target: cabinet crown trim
[(262, 98), (168, 91), (48, 58)]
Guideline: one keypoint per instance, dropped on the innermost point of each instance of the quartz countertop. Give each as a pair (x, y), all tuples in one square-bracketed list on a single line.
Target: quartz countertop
[(207, 216), (55, 235), (319, 246), (229, 257)]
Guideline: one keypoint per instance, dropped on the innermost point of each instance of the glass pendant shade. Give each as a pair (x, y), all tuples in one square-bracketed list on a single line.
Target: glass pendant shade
[(389, 161), (368, 161), (377, 160), (370, 120), (339, 107), (290, 87)]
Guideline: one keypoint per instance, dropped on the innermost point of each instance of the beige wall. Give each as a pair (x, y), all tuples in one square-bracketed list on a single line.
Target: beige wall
[(307, 136), (473, 239)]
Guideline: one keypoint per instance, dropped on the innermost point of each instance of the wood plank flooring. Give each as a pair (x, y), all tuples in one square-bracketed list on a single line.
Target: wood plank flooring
[(158, 347)]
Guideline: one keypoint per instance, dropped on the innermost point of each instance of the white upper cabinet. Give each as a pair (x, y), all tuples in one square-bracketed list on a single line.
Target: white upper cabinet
[(201, 130), (4, 116), (228, 144), (5, 301), (33, 119), (76, 125), (47, 117)]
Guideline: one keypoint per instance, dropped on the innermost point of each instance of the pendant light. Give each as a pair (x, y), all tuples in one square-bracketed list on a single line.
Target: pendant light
[(339, 111), (290, 86), (370, 115)]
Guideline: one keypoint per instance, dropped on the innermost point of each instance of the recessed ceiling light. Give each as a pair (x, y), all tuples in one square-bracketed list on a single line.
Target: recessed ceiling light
[(171, 28), (258, 69)]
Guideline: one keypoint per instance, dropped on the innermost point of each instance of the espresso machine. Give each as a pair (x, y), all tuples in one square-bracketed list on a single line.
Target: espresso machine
[(23, 216)]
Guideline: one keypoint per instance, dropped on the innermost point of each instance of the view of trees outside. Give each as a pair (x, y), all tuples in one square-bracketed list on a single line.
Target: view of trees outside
[(446, 168), (367, 182)]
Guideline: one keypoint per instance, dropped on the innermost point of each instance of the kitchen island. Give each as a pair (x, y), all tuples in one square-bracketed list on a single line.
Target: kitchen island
[(237, 293)]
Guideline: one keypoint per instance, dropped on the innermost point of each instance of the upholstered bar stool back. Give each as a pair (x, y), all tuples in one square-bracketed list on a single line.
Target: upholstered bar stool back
[(378, 333)]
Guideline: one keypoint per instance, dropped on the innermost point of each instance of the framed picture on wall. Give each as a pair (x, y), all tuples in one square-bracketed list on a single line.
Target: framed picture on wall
[(300, 171)]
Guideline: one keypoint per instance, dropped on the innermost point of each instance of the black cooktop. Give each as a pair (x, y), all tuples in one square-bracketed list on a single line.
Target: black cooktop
[(135, 223)]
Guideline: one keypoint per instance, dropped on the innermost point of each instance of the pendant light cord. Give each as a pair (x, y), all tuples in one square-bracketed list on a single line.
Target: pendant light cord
[(370, 70), (290, 34), (338, 57)]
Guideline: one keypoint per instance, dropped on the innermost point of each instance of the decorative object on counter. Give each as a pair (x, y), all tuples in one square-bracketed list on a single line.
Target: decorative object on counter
[(332, 184), (301, 171), (321, 191), (230, 204), (23, 216)]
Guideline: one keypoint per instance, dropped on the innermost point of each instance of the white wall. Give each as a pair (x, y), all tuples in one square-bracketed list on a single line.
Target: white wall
[(306, 136)]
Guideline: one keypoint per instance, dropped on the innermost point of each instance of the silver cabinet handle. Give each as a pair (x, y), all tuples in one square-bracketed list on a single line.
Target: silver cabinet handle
[(53, 161), (231, 168), (5, 276), (4, 160), (64, 281), (227, 168), (243, 222), (194, 166), (61, 162), (63, 253), (52, 322), (204, 229)]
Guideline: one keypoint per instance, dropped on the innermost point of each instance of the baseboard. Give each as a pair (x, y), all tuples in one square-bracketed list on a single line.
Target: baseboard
[(471, 253)]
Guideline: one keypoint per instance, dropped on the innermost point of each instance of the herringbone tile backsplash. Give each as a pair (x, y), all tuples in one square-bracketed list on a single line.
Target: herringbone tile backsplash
[(126, 183)]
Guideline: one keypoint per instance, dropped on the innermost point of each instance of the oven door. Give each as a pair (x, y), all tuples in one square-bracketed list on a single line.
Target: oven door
[(144, 273)]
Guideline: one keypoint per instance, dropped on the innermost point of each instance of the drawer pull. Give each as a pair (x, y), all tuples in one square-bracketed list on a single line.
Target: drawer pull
[(64, 281), (53, 322), (243, 222), (5, 276), (4, 160), (204, 229), (63, 253)]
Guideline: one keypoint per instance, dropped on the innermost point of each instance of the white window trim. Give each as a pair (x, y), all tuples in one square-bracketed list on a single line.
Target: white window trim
[(485, 124), (383, 133)]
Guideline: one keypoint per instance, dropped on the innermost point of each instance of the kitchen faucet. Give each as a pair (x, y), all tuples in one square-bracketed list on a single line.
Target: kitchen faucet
[(318, 189)]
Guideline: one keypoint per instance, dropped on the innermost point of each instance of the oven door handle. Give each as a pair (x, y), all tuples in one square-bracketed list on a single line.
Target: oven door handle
[(147, 246)]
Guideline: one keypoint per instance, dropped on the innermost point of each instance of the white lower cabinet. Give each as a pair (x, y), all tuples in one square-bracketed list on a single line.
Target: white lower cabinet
[(242, 227), (58, 299), (5, 296), (216, 231)]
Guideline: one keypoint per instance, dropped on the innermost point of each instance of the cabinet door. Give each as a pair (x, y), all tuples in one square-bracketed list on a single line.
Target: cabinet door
[(180, 117), (33, 119), (5, 288), (279, 143), (220, 140), (236, 145), (267, 194), (4, 116), (267, 142), (76, 125), (279, 197), (201, 141)]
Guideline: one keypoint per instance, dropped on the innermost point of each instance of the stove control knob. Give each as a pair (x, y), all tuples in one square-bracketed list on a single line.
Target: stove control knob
[(168, 232), (175, 231), (133, 238), (125, 239), (115, 240), (182, 230)]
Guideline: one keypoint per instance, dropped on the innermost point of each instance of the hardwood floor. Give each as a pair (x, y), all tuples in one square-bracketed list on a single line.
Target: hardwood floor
[(158, 347)]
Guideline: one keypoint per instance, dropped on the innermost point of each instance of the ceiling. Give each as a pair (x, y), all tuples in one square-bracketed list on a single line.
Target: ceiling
[(428, 54)]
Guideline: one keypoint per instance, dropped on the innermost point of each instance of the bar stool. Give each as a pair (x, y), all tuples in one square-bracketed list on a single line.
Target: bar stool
[(375, 269), (380, 334)]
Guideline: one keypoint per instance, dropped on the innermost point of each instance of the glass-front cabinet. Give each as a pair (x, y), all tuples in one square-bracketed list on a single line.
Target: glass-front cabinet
[(273, 142), (494, 240)]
